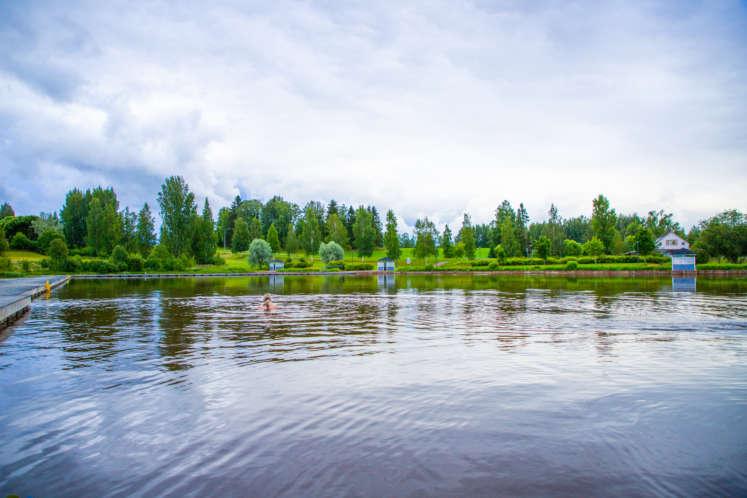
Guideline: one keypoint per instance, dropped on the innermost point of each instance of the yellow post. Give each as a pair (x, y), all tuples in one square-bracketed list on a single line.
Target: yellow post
[(47, 288)]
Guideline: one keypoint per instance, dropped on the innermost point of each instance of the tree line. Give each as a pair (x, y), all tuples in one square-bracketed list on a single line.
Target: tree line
[(91, 223)]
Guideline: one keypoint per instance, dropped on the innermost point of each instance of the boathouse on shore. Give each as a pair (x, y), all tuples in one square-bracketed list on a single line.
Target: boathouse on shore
[(385, 264), (276, 264)]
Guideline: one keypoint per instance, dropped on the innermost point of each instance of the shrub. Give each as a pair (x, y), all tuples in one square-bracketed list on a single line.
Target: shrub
[(217, 260), (26, 265), (46, 238), (73, 264), (459, 250), (500, 254), (4, 245), (331, 251), (184, 262), (83, 251), (260, 252), (571, 265), (4, 263), (22, 243), (572, 248), (135, 262), (99, 266), (480, 262), (493, 266), (542, 247), (358, 266), (57, 254), (429, 267), (593, 247), (336, 265), (119, 258)]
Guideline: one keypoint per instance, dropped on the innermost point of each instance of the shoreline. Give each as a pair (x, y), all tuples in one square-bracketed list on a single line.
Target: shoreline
[(550, 273)]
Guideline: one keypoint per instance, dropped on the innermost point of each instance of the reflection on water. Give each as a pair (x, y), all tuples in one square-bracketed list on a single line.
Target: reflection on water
[(382, 385), (684, 284)]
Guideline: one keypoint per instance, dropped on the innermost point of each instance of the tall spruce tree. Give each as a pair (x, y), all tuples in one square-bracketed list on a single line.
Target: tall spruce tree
[(272, 238), (391, 238), (204, 242), (146, 230), (178, 211), (447, 244), (467, 237), (364, 232)]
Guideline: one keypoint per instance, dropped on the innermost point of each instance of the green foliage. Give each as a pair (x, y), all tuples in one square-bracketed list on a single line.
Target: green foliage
[(391, 238), (427, 235), (103, 223), (204, 243), (572, 248), (542, 247), (273, 239), (241, 240), (4, 245), (603, 221), (359, 266), (129, 230), (500, 253), (46, 237), (178, 211), (724, 235), (160, 259), (593, 247), (57, 254), (120, 257), (145, 230), (467, 237), (508, 238), (20, 242), (135, 263), (291, 242), (260, 252), (255, 229), (364, 232), (331, 251), (644, 240), (571, 265), (6, 210), (336, 230), (459, 250), (14, 224), (447, 244), (73, 215), (311, 234)]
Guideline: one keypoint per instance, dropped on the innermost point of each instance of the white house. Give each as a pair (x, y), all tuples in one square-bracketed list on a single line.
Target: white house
[(671, 242)]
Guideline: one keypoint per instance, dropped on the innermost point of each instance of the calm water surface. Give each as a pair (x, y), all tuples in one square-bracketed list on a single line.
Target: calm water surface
[(419, 386)]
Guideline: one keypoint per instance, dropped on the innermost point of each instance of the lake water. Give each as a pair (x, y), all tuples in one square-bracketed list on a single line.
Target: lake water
[(372, 386)]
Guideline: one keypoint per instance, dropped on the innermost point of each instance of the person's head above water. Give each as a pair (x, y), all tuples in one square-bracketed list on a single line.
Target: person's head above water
[(267, 303), (266, 298)]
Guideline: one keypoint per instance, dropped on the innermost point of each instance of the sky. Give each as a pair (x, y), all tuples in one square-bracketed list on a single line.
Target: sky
[(427, 108)]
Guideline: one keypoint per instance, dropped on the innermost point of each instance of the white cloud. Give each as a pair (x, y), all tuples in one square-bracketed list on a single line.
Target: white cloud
[(429, 109)]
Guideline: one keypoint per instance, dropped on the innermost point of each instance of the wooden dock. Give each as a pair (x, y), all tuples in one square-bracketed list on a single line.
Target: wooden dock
[(16, 295)]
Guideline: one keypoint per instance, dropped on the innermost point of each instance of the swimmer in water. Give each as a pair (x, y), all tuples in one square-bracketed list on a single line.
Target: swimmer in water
[(267, 304)]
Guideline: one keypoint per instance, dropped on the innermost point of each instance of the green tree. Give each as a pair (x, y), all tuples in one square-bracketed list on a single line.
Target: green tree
[(119, 257), (427, 235), (522, 229), (603, 221), (376, 223), (391, 238), (280, 212), (241, 240), (593, 247), (542, 247), (553, 230), (260, 252), (178, 212), (509, 242), (4, 245), (723, 235), (129, 230), (73, 215), (571, 248), (447, 244), (364, 232), (291, 242), (336, 230), (145, 230), (204, 243), (467, 236), (46, 237), (255, 229), (644, 240), (331, 251), (272, 238), (103, 222), (500, 254), (311, 234), (57, 254), (6, 210)]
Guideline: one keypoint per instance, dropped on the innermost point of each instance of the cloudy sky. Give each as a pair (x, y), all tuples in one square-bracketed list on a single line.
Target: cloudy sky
[(427, 108)]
